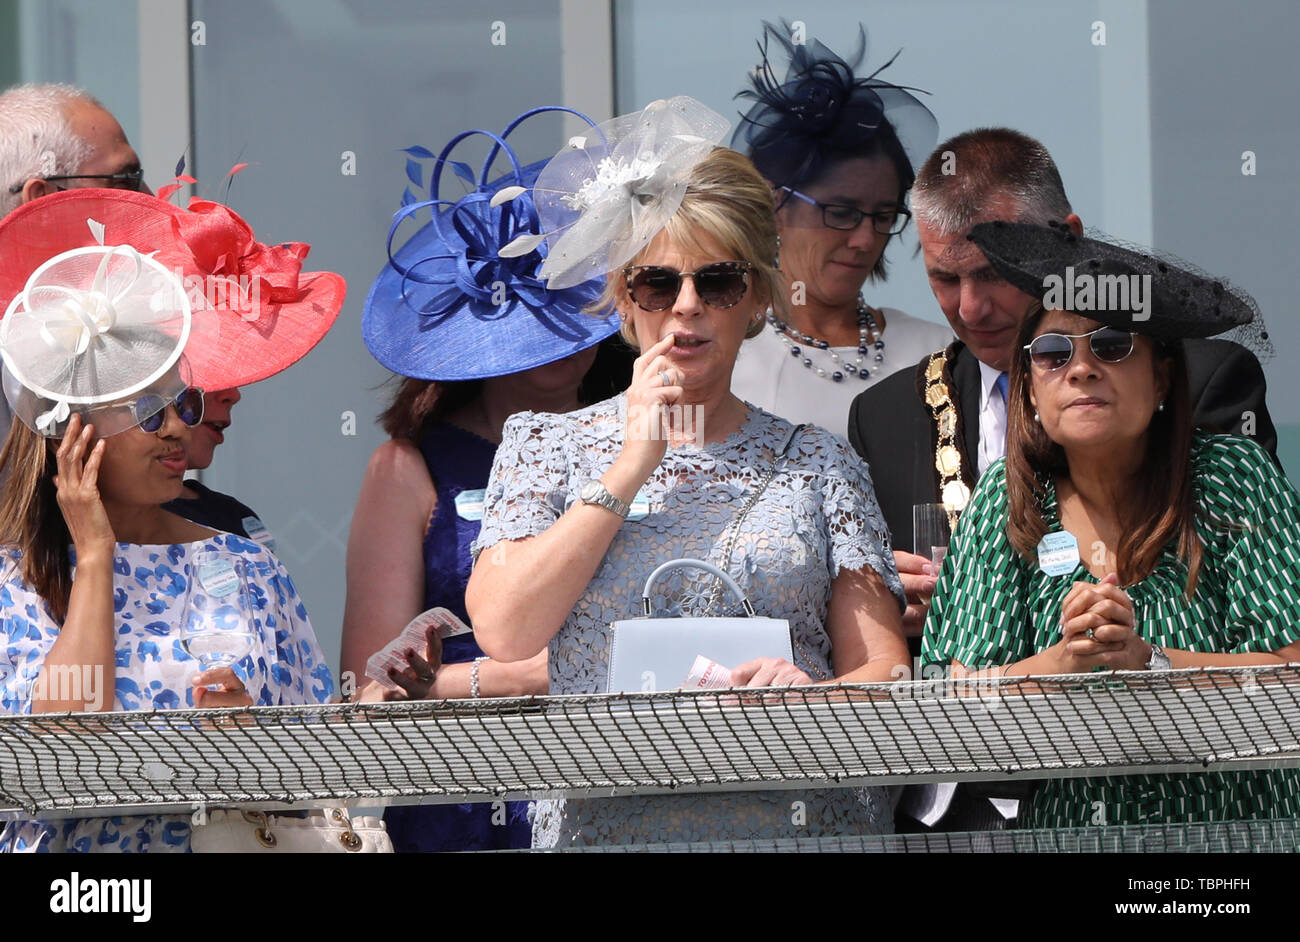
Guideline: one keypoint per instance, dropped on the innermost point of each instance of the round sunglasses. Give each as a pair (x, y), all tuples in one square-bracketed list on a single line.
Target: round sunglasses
[(1052, 351), (719, 284), (150, 410)]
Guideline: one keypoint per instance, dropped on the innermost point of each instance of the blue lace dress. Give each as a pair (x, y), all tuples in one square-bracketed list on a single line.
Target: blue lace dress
[(150, 584), (458, 463), (817, 516)]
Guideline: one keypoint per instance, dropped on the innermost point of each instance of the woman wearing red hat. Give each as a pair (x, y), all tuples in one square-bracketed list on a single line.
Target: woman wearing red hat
[(100, 580)]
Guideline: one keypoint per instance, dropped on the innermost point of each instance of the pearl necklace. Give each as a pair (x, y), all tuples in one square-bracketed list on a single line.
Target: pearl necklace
[(869, 335)]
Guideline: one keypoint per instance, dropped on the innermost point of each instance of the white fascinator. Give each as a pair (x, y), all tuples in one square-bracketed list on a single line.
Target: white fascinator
[(603, 197), (94, 326)]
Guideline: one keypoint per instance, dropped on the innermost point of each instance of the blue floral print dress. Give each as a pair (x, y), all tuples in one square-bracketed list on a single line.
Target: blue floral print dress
[(150, 587)]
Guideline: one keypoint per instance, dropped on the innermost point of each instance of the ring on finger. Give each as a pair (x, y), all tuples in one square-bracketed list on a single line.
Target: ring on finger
[(1090, 634), (665, 378)]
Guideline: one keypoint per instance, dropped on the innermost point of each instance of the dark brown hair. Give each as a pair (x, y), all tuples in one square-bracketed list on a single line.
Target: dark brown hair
[(30, 517), (1160, 507), (419, 403)]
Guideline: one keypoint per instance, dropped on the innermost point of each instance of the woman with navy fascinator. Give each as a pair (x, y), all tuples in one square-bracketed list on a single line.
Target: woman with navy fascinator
[(840, 152), (475, 337)]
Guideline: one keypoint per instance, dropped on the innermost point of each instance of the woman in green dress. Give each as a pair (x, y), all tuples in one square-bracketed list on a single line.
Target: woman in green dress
[(1114, 535)]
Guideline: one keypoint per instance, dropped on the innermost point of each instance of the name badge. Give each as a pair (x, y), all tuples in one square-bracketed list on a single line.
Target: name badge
[(258, 533), (1058, 553), (218, 578), (469, 505)]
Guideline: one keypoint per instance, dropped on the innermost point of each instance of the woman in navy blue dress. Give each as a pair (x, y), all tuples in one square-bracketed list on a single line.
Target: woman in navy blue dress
[(476, 338)]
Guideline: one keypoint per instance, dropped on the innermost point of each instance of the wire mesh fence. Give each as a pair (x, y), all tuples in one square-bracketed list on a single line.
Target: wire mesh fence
[(1229, 837), (455, 751)]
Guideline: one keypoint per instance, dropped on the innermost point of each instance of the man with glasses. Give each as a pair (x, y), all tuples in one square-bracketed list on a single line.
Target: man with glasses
[(928, 432), (57, 137), (54, 137)]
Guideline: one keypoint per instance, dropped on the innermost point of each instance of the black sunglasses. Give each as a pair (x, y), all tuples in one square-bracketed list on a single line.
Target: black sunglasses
[(151, 410), (719, 284), (845, 218), (1052, 351), (128, 180)]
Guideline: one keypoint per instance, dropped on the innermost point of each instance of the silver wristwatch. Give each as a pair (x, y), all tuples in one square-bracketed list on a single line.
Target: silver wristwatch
[(593, 492), (1159, 659)]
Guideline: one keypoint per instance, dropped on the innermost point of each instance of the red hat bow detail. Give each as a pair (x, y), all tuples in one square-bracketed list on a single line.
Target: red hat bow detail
[(240, 273)]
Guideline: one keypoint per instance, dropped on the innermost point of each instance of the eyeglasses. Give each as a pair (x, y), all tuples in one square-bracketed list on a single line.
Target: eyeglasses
[(1052, 351), (127, 180), (151, 410), (845, 218), (719, 284)]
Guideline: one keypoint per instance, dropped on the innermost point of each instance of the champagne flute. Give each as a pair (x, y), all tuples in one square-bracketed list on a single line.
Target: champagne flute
[(219, 629), (931, 533)]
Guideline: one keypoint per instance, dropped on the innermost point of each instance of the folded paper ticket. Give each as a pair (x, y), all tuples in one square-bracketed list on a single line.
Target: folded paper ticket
[(707, 674), (392, 656)]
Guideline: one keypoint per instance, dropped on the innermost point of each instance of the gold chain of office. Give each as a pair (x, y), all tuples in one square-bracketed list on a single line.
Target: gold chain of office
[(953, 491)]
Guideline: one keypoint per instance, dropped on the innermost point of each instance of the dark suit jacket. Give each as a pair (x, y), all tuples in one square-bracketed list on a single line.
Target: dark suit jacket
[(891, 427)]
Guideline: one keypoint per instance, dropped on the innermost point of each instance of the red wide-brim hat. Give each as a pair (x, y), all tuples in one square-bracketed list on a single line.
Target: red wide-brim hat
[(270, 313)]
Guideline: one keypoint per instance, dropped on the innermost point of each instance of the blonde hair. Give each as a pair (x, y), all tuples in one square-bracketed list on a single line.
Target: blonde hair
[(728, 201)]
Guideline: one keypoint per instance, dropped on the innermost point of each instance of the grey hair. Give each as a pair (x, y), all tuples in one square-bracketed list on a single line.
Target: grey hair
[(965, 174), (36, 139)]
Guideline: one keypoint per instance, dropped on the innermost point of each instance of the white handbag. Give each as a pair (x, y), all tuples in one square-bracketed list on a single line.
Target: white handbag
[(650, 653), (327, 831)]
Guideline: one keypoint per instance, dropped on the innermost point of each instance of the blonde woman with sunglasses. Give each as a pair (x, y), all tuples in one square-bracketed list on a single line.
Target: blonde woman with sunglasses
[(581, 507)]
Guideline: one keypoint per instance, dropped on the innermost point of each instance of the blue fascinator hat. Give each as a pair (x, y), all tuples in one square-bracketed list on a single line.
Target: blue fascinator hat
[(447, 306)]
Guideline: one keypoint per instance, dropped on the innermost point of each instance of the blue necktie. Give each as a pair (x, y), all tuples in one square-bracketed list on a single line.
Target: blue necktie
[(1001, 386)]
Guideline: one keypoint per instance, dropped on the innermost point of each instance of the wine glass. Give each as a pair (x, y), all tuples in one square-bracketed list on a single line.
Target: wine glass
[(219, 627)]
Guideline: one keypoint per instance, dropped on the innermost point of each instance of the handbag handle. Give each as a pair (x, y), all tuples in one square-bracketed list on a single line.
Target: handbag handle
[(683, 563)]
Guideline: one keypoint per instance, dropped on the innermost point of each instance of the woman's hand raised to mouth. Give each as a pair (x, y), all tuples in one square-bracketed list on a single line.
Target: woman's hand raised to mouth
[(646, 435)]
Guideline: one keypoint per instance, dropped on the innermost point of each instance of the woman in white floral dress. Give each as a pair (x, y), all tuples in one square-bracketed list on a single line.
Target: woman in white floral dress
[(555, 569)]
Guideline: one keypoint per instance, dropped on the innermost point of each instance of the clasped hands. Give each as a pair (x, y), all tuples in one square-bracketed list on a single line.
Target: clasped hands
[(1098, 629)]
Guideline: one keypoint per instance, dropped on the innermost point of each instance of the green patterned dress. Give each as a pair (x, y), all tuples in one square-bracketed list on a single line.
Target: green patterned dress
[(993, 607)]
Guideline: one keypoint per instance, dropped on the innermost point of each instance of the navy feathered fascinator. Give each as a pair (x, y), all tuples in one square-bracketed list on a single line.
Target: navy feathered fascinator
[(447, 306), (824, 111)]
